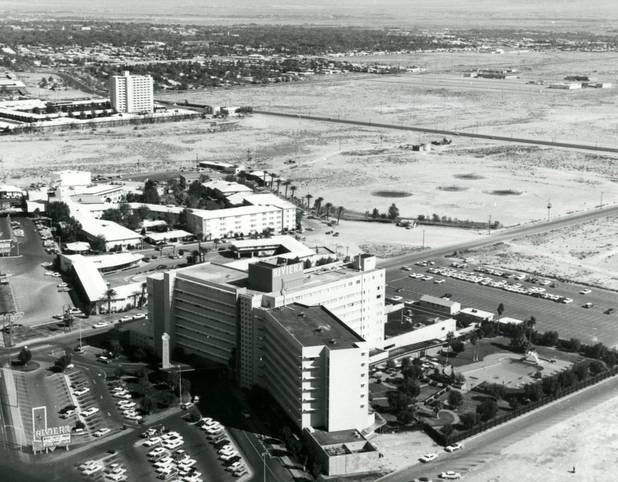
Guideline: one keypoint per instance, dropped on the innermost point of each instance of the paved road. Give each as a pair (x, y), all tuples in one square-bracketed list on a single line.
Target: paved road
[(35, 294), (503, 235), (488, 445), (443, 132)]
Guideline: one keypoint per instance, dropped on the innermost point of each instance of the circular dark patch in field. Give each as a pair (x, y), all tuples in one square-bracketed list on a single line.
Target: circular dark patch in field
[(469, 177), (505, 192), (452, 188), (391, 194)]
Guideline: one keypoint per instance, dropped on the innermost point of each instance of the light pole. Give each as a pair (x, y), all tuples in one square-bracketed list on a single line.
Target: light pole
[(548, 210), (264, 464)]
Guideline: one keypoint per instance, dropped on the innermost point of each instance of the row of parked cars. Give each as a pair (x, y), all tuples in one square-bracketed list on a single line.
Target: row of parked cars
[(124, 319), (47, 238), (124, 402), (226, 451), (449, 474), (108, 467), (503, 284), (169, 460), (85, 410)]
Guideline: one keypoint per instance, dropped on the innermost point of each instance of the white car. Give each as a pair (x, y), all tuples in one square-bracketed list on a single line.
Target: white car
[(151, 442), (134, 417), (81, 391), (159, 451), (585, 292), (566, 301), (90, 411), (170, 435), (116, 477), (125, 318), (214, 430), (406, 268), (92, 470), (439, 281), (102, 432), (450, 475), (100, 324), (428, 457), (395, 298), (125, 396), (187, 463), (173, 444), (89, 464), (453, 447), (228, 456), (164, 462)]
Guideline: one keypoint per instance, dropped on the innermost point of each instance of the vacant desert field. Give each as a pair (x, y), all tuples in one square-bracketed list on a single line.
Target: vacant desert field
[(587, 252), (351, 166), (587, 441)]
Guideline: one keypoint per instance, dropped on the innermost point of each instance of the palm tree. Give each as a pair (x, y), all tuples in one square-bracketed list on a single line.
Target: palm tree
[(143, 297), (309, 198), (278, 182), (318, 205), (109, 295), (287, 185), (339, 213), (293, 190), (134, 295), (328, 206)]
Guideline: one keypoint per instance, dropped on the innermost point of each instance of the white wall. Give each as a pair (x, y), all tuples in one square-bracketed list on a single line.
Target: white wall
[(437, 330)]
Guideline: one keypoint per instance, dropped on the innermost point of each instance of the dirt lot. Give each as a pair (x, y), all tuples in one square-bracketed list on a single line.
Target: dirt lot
[(587, 440), (365, 168), (587, 252)]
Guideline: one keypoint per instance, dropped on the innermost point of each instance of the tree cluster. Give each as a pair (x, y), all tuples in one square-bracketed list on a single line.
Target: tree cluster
[(63, 224)]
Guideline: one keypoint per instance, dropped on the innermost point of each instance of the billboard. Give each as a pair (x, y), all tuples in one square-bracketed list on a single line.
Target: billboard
[(48, 438)]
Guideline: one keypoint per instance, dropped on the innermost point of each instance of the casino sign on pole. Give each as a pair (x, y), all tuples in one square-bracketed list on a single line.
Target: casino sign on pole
[(46, 438)]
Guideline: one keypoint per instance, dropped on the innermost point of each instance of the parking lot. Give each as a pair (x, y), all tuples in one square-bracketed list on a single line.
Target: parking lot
[(569, 320), (35, 294)]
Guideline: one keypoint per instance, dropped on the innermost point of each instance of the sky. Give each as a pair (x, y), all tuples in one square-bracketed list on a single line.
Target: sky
[(486, 13)]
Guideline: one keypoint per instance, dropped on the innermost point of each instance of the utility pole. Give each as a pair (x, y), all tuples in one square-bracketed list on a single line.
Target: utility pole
[(548, 210), (489, 225), (423, 238)]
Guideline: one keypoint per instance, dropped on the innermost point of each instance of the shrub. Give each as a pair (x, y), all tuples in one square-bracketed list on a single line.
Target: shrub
[(468, 420), (487, 409), (455, 398)]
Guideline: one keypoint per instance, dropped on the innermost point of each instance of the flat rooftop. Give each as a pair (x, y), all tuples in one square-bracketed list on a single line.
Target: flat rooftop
[(235, 273), (438, 301), (340, 437), (315, 326)]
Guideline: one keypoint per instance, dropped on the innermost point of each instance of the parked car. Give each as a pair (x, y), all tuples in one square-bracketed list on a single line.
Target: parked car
[(102, 432), (453, 447), (450, 475), (151, 442), (428, 457)]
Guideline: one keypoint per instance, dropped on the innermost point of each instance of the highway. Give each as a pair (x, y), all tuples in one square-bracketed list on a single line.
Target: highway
[(443, 132), (487, 446), (502, 235)]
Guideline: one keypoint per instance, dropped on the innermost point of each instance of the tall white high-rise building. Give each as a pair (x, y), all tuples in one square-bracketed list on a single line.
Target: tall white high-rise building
[(131, 93)]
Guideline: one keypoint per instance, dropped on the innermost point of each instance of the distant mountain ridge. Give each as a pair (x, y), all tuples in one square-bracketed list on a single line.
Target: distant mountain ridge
[(456, 13)]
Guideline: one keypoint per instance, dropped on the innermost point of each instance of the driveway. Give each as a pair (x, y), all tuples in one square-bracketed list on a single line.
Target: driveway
[(35, 294)]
